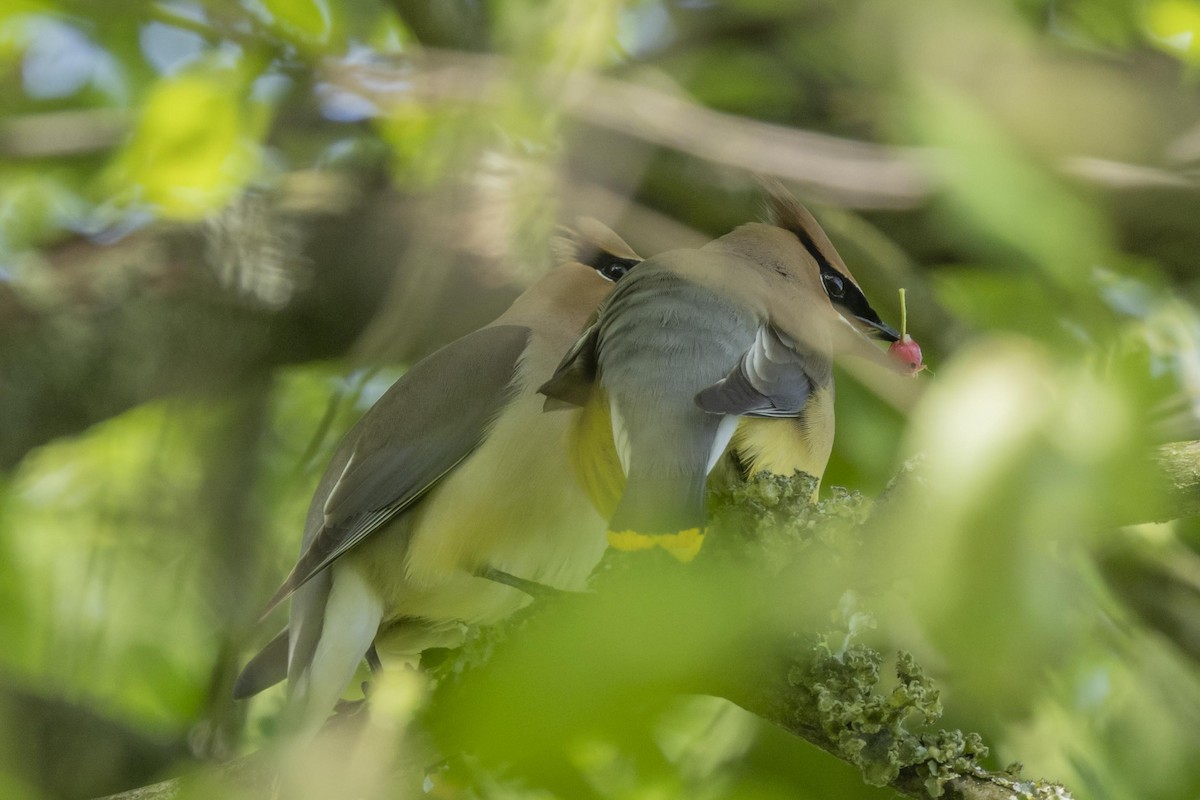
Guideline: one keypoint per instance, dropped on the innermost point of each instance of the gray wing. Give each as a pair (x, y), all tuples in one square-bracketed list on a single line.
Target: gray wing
[(419, 430), (771, 379)]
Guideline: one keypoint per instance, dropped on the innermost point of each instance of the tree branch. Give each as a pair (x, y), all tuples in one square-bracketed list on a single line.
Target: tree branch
[(174, 309), (651, 634), (850, 173), (652, 631)]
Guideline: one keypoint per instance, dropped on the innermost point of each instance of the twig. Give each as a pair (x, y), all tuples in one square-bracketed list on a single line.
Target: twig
[(62, 133)]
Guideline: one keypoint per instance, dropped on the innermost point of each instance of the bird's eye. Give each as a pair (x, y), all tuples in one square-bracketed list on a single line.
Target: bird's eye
[(835, 287), (613, 268), (614, 271)]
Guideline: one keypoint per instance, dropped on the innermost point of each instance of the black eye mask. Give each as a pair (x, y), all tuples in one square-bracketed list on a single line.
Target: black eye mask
[(842, 292)]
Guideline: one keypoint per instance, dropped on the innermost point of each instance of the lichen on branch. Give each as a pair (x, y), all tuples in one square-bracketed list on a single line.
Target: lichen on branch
[(832, 692), (870, 728)]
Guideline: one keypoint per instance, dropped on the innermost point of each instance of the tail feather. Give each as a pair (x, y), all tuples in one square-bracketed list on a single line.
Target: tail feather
[(654, 504), (351, 620), (657, 511), (265, 670)]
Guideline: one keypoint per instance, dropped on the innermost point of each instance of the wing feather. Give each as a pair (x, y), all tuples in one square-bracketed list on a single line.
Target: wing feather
[(771, 379), (419, 430)]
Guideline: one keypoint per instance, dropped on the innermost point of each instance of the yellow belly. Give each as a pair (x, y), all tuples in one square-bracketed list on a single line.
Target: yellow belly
[(783, 446)]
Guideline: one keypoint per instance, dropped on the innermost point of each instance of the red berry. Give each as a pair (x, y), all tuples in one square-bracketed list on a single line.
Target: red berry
[(908, 352)]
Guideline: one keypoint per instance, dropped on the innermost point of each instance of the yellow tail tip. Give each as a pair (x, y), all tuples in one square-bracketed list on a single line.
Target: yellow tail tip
[(682, 545), (630, 541)]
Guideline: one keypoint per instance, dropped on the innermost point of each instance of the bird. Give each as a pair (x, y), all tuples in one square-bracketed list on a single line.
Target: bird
[(450, 502), (722, 352)]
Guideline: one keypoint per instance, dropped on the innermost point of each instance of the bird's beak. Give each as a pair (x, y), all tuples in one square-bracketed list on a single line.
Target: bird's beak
[(877, 327)]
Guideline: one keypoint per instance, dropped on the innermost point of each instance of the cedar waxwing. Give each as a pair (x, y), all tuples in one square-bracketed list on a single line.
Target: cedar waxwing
[(450, 498), (731, 345)]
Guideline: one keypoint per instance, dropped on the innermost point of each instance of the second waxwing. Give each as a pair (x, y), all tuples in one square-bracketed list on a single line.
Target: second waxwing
[(728, 348), (448, 497)]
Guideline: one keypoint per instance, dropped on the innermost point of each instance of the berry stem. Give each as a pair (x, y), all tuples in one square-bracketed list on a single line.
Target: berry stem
[(903, 317)]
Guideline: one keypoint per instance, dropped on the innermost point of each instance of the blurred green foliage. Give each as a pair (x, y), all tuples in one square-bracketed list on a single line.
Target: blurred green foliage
[(1048, 246)]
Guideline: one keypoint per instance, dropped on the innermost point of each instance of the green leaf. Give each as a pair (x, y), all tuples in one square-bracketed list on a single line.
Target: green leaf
[(306, 22), (1174, 25), (192, 148)]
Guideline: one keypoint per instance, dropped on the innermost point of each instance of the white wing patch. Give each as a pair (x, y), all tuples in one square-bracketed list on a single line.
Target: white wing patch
[(333, 489), (620, 435)]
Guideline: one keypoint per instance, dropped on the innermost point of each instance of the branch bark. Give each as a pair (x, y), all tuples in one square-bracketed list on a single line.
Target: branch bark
[(174, 309), (1179, 463)]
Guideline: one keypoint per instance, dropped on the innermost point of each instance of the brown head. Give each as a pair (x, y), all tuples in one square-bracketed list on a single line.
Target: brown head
[(591, 259), (839, 285)]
